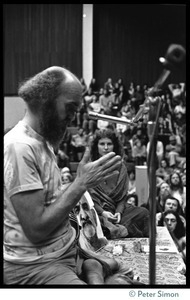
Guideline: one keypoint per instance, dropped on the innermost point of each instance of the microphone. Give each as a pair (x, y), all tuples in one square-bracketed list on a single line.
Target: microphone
[(96, 116), (174, 57)]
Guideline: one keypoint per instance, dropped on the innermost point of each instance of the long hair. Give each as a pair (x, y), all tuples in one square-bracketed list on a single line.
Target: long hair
[(110, 134), (180, 228), (180, 186)]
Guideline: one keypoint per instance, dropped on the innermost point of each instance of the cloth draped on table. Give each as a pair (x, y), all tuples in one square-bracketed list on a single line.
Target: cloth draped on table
[(134, 221)]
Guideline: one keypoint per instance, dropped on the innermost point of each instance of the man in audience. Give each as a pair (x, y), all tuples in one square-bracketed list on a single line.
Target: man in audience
[(78, 144)]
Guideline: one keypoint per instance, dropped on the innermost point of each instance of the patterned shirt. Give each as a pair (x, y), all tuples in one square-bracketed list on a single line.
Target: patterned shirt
[(30, 164)]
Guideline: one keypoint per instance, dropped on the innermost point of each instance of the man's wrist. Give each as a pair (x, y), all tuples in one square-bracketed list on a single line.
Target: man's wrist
[(80, 186)]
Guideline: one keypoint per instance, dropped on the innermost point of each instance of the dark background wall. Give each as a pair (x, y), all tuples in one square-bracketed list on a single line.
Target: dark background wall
[(37, 36), (130, 38)]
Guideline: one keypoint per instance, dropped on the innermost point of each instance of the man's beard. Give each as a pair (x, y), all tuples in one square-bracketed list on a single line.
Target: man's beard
[(51, 128)]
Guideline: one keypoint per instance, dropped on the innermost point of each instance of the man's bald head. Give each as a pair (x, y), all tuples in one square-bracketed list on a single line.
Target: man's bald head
[(47, 85)]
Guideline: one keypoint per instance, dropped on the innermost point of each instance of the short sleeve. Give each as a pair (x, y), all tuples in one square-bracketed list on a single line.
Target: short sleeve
[(21, 172)]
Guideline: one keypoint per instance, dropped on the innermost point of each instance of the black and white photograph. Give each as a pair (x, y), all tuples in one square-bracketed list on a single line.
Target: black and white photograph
[(94, 150)]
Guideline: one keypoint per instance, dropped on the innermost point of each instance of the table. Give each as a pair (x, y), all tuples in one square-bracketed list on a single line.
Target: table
[(135, 253)]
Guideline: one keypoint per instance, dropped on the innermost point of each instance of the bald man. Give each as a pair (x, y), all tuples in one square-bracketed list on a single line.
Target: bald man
[(39, 241)]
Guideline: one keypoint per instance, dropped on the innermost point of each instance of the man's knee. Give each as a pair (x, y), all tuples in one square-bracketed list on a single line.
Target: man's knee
[(93, 271)]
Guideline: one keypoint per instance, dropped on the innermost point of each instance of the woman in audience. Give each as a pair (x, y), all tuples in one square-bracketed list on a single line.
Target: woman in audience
[(164, 170), (118, 219), (171, 219), (139, 152), (177, 189), (132, 199), (132, 182)]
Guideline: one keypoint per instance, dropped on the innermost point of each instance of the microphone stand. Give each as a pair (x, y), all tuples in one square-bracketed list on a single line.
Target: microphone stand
[(175, 56), (151, 167)]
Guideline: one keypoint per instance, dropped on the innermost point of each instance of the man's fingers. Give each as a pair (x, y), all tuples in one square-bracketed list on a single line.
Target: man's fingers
[(102, 160), (116, 160), (86, 156), (111, 174)]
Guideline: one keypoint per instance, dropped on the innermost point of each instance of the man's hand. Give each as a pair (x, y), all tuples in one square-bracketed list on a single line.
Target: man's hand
[(93, 173)]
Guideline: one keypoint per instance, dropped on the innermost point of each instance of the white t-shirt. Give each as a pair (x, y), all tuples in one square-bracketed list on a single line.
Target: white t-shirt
[(30, 164)]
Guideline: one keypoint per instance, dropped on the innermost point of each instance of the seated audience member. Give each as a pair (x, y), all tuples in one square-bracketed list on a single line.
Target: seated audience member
[(171, 219), (141, 133), (163, 190), (109, 110), (177, 189), (132, 182), (164, 170), (104, 99), (62, 159), (132, 199), (81, 113), (93, 86), (66, 142), (94, 105), (173, 152), (84, 87), (131, 89), (126, 145), (183, 179), (177, 91), (88, 97), (118, 219), (175, 157), (66, 175), (180, 108), (171, 203), (108, 85), (102, 124), (78, 144), (139, 96), (139, 152), (123, 97)]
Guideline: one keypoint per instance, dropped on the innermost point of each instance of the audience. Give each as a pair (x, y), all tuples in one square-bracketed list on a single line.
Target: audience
[(114, 100)]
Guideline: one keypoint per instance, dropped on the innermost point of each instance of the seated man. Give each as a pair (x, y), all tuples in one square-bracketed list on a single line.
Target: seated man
[(40, 245), (78, 144)]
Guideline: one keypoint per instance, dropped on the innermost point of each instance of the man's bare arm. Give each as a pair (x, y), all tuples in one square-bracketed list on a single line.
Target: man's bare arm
[(39, 221)]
